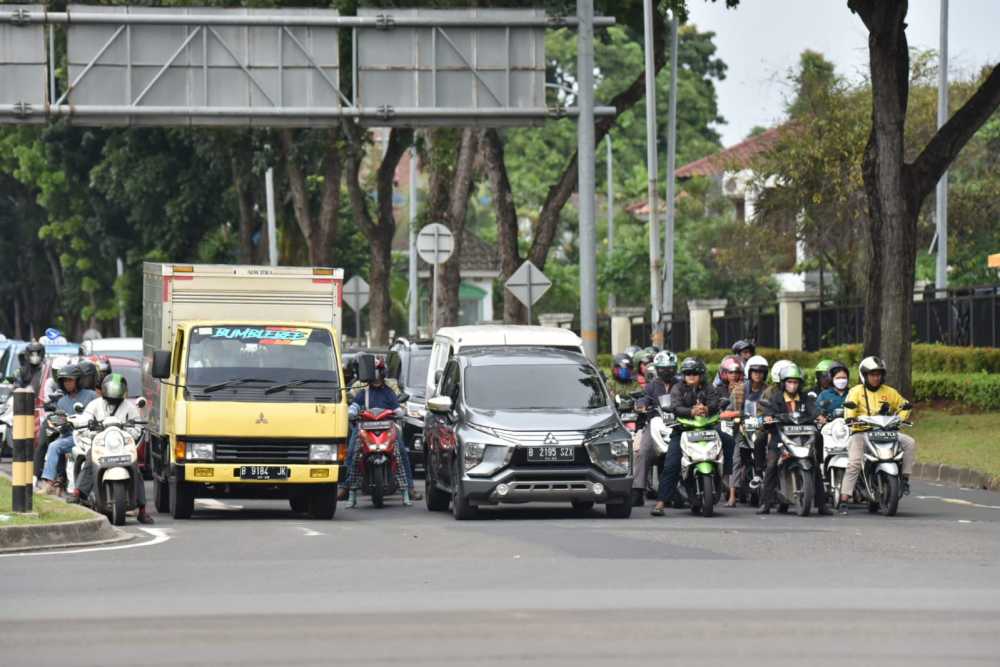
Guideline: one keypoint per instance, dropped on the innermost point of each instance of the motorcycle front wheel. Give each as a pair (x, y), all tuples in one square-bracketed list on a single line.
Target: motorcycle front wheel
[(707, 494), (119, 502), (805, 491), (378, 486), (888, 486)]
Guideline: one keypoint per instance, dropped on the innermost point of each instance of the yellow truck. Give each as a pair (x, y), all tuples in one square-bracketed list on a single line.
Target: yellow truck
[(243, 377)]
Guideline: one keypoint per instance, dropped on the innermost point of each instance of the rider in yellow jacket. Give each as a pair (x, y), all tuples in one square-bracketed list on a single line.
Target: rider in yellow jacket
[(870, 398)]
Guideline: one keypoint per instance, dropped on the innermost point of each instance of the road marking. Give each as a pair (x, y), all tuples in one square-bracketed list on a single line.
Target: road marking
[(964, 521), (159, 537), (960, 501), (214, 504), (309, 532)]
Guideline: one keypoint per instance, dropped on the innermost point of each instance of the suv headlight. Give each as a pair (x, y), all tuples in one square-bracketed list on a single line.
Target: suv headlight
[(484, 460), (200, 451), (614, 458), (472, 454), (322, 452)]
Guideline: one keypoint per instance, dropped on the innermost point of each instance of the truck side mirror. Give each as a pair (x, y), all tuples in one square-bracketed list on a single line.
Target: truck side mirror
[(366, 368), (161, 364)]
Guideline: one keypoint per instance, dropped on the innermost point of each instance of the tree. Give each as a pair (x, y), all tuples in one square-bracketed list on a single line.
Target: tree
[(896, 188)]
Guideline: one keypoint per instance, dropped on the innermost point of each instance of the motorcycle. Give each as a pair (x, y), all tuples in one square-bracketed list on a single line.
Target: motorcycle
[(113, 453), (661, 426), (378, 438), (879, 483), (747, 429), (836, 434), (701, 463), (797, 435)]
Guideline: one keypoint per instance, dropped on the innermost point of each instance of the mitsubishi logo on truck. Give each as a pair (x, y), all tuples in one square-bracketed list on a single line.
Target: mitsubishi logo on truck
[(550, 440), (262, 419)]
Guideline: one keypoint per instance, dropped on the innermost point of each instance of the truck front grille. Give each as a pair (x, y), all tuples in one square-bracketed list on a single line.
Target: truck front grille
[(271, 451)]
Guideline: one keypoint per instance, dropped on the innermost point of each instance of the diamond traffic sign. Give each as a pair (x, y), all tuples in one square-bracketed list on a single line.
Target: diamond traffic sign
[(528, 284), (356, 293), (435, 244)]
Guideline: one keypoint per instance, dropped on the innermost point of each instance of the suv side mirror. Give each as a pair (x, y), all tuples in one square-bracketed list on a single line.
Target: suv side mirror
[(161, 365), (366, 368), (440, 405)]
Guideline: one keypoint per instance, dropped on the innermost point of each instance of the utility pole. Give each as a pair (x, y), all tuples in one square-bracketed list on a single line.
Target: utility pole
[(611, 215), (668, 240), (414, 292), (651, 171), (586, 184), (941, 214), (272, 232)]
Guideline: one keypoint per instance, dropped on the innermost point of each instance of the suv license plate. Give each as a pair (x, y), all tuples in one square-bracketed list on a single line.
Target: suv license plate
[(551, 454), (264, 472)]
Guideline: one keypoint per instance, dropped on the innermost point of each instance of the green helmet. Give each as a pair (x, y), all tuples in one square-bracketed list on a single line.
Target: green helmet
[(114, 387), (823, 367), (642, 357), (790, 372)]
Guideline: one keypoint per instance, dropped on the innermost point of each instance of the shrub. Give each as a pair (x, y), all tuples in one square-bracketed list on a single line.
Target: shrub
[(979, 390)]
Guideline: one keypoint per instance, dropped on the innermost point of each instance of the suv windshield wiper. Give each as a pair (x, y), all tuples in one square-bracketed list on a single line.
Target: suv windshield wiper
[(231, 383), (296, 383)]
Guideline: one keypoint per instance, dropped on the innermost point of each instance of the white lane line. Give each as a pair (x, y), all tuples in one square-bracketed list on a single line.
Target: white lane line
[(159, 537), (959, 501), (309, 532), (214, 504)]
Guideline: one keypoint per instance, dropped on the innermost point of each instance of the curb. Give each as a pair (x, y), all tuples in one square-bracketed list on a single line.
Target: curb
[(953, 476), (85, 533)]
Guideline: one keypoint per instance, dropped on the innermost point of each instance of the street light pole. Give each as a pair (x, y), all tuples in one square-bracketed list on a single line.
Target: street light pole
[(413, 292), (668, 240), (651, 172), (611, 216), (586, 184), (941, 212)]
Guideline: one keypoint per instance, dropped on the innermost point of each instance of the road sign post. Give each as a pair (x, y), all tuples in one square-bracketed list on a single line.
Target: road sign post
[(356, 292), (435, 244), (528, 284)]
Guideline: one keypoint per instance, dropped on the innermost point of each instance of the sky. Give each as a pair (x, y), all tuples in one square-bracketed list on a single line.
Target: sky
[(762, 39)]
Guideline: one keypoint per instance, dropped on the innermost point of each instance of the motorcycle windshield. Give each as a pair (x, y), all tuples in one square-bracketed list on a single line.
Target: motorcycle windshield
[(699, 423)]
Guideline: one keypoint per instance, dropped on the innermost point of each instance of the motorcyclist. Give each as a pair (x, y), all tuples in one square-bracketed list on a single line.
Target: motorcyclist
[(640, 360), (665, 367), (753, 393), (623, 383), (775, 385), (822, 373), (832, 398), (791, 398), (694, 397), (68, 380), (376, 396), (113, 403), (731, 371), (873, 397), (89, 375), (30, 372), (744, 349)]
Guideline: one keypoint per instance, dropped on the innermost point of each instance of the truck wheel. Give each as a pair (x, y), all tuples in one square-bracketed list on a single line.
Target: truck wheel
[(181, 500), (119, 502), (299, 502), (622, 510), (161, 496), (323, 501)]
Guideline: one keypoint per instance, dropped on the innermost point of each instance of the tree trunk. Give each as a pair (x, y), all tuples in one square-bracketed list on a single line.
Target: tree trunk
[(379, 300), (242, 181), (506, 212), (455, 214), (318, 231)]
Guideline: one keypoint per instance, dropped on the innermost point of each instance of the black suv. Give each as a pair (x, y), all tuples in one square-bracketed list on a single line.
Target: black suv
[(407, 364), (518, 425)]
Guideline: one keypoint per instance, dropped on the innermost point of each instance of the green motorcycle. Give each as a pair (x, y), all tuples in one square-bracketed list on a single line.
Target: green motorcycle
[(701, 462)]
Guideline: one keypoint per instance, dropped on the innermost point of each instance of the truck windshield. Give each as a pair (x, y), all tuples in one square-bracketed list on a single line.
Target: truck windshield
[(273, 353), (534, 387)]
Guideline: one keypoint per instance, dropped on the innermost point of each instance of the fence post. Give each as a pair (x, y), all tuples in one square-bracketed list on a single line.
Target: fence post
[(790, 319), (23, 445), (701, 321), (621, 327)]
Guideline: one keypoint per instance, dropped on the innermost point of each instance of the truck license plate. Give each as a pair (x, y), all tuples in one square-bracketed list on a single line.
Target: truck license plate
[(264, 472), (551, 455)]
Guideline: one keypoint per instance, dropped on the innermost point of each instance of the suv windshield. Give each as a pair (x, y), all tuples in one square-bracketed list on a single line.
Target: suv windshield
[(534, 387), (272, 353), (416, 373)]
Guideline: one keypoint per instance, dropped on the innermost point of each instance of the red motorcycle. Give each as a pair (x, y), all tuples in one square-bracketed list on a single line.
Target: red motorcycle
[(377, 437)]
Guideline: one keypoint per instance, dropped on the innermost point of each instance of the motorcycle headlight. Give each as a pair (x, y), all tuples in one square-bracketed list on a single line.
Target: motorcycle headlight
[(472, 454), (322, 452), (799, 451), (415, 410), (114, 442), (200, 451)]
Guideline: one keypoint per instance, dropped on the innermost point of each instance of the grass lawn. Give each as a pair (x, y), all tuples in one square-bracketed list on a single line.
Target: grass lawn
[(49, 510), (962, 440)]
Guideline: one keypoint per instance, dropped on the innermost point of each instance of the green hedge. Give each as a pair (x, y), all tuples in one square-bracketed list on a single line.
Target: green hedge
[(978, 390)]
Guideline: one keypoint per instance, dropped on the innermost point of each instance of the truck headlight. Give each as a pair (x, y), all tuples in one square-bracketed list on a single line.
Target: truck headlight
[(472, 454), (200, 451), (322, 452)]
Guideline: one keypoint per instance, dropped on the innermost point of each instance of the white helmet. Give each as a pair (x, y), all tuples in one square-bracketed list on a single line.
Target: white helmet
[(778, 367), (869, 364), (757, 361)]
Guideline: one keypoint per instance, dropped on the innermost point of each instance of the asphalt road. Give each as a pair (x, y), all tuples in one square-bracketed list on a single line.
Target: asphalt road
[(528, 585)]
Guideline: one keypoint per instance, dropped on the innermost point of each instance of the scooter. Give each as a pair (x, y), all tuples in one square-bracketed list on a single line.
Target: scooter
[(879, 483), (112, 453), (836, 434), (797, 435), (701, 463), (748, 429), (378, 437), (661, 427)]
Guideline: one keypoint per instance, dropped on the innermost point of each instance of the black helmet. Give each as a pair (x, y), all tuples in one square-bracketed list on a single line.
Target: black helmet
[(37, 350), (88, 374), (114, 388), (692, 366), (836, 367), (68, 372), (741, 345)]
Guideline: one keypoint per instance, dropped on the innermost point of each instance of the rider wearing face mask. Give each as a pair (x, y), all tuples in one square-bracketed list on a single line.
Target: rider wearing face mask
[(832, 398), (665, 367), (30, 372)]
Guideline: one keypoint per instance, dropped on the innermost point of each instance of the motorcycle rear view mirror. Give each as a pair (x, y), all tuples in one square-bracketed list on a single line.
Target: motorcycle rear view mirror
[(160, 368), (366, 368), (723, 404), (78, 407), (404, 397), (140, 402), (850, 405), (906, 406)]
